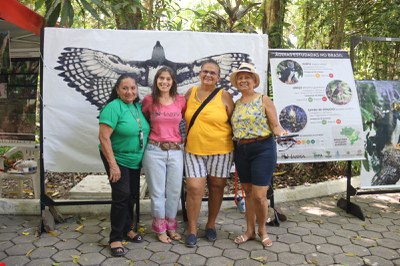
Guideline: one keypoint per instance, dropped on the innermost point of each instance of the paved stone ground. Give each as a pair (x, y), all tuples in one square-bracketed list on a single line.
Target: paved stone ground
[(316, 233)]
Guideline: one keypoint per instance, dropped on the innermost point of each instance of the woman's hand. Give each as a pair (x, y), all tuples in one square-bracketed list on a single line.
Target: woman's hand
[(115, 173)]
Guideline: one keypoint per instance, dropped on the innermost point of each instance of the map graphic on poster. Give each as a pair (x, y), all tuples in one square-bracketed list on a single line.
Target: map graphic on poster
[(316, 97), (380, 105)]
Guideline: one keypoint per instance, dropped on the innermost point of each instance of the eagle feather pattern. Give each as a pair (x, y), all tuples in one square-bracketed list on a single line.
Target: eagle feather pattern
[(93, 73)]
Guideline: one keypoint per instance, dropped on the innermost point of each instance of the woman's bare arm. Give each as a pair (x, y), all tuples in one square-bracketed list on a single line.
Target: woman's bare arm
[(105, 132)]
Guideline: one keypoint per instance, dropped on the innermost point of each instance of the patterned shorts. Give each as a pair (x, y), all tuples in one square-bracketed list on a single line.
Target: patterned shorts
[(218, 165)]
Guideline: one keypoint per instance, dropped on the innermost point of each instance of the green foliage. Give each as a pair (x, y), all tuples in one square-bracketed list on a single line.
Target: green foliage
[(318, 24), (62, 12), (226, 17)]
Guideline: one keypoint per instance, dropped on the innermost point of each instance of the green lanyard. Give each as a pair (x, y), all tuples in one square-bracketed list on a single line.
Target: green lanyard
[(137, 118)]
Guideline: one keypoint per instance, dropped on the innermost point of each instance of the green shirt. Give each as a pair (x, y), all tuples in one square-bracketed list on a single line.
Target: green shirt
[(126, 120)]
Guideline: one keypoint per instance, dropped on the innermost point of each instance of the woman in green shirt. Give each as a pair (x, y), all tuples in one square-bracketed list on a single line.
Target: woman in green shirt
[(123, 135)]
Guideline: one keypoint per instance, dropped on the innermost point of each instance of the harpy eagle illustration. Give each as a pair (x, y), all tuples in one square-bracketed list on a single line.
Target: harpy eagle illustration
[(93, 73)]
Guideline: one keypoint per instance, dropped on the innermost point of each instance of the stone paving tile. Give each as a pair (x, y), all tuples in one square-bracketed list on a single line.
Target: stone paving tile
[(343, 259), (345, 233), (90, 238), (218, 261), (209, 251), (357, 250), (164, 257), (289, 238), (24, 239), (321, 232), (317, 232), (302, 248), (2, 255), (365, 242), (5, 244), (15, 260), (66, 255), (319, 259), (225, 244), (117, 261), (46, 241), (41, 262), (67, 244), (278, 247), (192, 259), (158, 246), (91, 259), (376, 227), (69, 235), (20, 249), (263, 256), (90, 248), (250, 262), (384, 253), (338, 240), (300, 231), (329, 249), (7, 236), (9, 228), (291, 259), (43, 252), (313, 239), (389, 243), (375, 260), (139, 254), (369, 234), (235, 253)]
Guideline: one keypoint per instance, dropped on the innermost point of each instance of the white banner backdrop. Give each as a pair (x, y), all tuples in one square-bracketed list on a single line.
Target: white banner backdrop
[(315, 96), (380, 105), (81, 66)]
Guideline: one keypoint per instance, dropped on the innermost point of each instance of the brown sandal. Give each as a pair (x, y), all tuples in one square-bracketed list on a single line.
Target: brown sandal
[(174, 235), (164, 238)]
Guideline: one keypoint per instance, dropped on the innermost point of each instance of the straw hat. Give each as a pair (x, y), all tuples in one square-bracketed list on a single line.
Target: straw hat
[(245, 67)]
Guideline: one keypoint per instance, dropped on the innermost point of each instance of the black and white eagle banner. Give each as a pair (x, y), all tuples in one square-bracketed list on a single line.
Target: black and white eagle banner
[(82, 65)]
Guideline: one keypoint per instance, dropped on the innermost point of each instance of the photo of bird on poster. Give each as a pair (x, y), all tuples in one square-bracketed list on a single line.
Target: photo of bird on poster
[(93, 73)]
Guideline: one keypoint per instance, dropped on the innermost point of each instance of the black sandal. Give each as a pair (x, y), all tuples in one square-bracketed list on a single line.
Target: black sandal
[(118, 251), (136, 239)]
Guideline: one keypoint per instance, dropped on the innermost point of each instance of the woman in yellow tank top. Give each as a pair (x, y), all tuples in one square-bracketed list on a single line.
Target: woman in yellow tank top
[(208, 151)]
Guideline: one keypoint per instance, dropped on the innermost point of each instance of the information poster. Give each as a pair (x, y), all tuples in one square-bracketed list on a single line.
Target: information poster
[(82, 65), (380, 105), (315, 96)]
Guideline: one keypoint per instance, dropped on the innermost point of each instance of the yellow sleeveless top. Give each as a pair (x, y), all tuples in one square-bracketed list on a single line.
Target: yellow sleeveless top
[(211, 132), (249, 120)]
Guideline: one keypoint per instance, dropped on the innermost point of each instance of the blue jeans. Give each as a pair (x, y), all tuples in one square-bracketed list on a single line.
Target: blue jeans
[(164, 171)]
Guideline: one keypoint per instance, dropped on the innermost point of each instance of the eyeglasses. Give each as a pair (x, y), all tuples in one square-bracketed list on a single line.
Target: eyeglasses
[(206, 72)]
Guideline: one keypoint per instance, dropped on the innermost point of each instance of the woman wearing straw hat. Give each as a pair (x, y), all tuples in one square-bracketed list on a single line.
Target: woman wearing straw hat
[(254, 121)]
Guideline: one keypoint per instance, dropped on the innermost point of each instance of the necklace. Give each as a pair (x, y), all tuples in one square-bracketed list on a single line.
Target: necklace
[(137, 118)]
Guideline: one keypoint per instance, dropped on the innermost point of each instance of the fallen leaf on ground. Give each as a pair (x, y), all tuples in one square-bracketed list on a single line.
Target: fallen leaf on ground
[(79, 228), (29, 252)]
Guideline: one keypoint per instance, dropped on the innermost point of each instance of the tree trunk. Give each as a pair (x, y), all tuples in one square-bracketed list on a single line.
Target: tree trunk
[(340, 10), (307, 14), (273, 18), (128, 18)]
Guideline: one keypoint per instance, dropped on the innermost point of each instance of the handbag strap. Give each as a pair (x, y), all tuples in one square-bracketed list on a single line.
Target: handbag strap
[(203, 104)]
